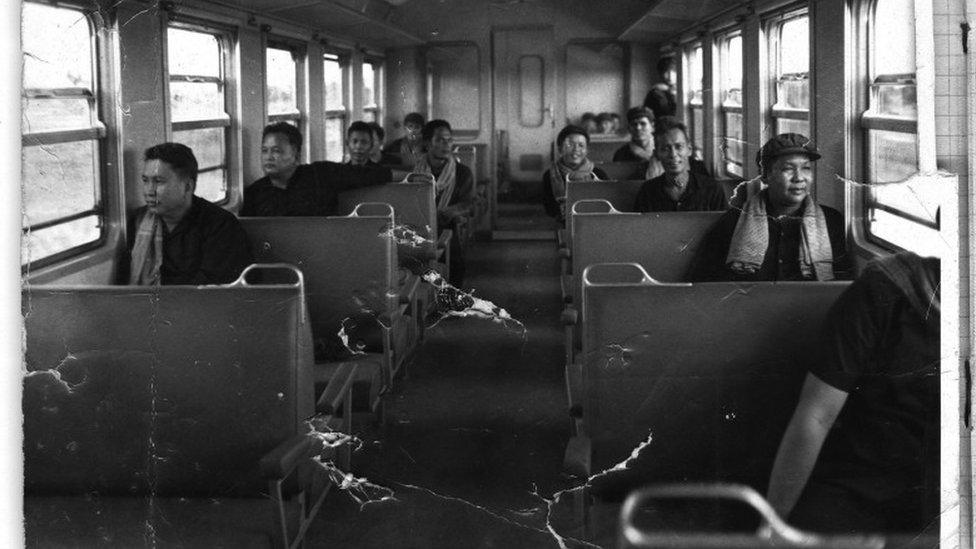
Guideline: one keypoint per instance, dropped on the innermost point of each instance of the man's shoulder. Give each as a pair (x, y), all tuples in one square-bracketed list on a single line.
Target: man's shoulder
[(211, 213)]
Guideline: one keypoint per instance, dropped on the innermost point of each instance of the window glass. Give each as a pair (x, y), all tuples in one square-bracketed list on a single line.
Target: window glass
[(790, 58), (282, 72), (694, 85), (732, 138), (895, 215), (335, 110), (369, 85), (61, 170), (197, 90)]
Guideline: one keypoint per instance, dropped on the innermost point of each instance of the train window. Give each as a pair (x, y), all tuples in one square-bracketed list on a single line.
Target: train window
[(694, 76), (889, 129), (372, 90), (62, 135), (285, 85), (730, 59), (789, 58), (196, 63), (335, 109)]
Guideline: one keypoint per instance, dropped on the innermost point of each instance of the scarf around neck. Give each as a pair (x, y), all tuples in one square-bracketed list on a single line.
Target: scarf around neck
[(750, 240), (147, 252), (445, 182), (560, 173)]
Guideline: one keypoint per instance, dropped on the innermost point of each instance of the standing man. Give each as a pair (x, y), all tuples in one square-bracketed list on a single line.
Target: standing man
[(379, 142), (289, 188), (661, 99), (678, 189), (780, 233), (180, 238), (410, 147)]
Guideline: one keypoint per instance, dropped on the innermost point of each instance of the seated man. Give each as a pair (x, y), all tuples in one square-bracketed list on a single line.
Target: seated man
[(678, 189), (179, 238), (878, 470), (780, 233), (377, 155), (292, 189), (640, 123), (410, 147), (570, 165), (359, 141), (454, 187)]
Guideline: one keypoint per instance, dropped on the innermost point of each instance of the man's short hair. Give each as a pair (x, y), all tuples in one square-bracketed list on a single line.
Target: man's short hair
[(571, 130), (636, 113), (291, 133), (414, 118), (667, 123), (178, 156), (600, 118), (360, 126), (785, 144), (378, 130), (431, 127), (665, 64)]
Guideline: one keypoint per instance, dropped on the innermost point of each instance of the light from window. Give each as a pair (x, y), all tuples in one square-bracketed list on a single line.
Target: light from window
[(890, 130), (694, 80), (198, 104), (733, 149), (791, 58), (335, 110), (61, 133), (282, 74)]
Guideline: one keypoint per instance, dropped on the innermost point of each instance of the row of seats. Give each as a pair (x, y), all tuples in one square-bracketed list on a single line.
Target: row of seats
[(699, 369), (212, 385)]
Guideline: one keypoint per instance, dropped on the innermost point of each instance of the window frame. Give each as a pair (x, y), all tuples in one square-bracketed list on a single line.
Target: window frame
[(725, 108), (376, 107), (226, 39), (867, 119), (97, 132), (773, 28), (692, 105), (341, 114), (299, 53)]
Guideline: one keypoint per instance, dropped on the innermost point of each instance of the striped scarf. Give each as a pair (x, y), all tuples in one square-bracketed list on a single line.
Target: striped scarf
[(654, 167), (147, 252), (751, 239), (446, 181), (560, 173)]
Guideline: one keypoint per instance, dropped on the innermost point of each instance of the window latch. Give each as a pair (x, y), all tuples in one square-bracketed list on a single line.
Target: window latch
[(965, 36)]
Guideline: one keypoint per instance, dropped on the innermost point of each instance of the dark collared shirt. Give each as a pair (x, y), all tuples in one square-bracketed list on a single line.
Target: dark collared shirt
[(701, 194), (782, 259), (312, 190), (207, 246)]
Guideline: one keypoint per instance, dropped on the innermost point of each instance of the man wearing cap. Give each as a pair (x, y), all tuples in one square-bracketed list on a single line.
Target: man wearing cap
[(780, 233), (678, 189), (410, 147)]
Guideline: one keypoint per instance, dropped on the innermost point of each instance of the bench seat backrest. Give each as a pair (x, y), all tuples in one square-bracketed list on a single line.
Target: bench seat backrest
[(349, 263), (624, 171), (620, 194), (711, 371), (175, 390)]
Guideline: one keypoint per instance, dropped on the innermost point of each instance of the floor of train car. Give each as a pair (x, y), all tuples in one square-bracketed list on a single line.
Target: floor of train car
[(480, 424)]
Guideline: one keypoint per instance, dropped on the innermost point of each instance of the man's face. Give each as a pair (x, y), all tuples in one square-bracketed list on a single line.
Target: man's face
[(573, 149), (360, 146), (413, 130), (673, 151), (278, 156), (441, 143), (641, 129), (790, 179), (165, 192)]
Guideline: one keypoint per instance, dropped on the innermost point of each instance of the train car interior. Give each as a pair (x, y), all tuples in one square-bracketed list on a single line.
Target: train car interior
[(491, 273)]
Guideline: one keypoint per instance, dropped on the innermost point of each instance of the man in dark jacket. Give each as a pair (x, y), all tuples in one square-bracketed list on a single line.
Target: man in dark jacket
[(292, 189), (678, 189)]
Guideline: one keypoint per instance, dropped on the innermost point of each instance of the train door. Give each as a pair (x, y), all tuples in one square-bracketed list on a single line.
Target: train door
[(524, 78)]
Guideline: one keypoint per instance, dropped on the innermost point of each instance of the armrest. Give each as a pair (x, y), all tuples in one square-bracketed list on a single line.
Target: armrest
[(281, 461), (388, 318), (337, 390), (409, 289), (569, 316)]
